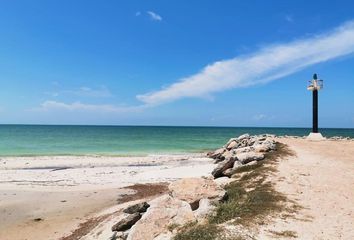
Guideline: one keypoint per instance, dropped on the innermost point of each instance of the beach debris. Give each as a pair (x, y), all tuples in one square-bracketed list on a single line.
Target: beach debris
[(240, 151), (38, 219), (163, 212), (126, 222), (60, 169), (192, 190), (137, 208)]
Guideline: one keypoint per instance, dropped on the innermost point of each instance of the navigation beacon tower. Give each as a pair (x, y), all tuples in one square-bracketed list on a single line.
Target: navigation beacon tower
[(315, 85)]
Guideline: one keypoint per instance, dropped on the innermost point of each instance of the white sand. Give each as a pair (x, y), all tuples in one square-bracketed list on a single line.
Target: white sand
[(65, 191), (320, 178)]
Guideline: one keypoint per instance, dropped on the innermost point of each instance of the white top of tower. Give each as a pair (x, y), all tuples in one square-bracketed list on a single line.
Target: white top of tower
[(315, 84)]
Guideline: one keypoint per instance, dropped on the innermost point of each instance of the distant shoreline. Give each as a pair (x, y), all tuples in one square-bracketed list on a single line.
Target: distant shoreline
[(165, 126)]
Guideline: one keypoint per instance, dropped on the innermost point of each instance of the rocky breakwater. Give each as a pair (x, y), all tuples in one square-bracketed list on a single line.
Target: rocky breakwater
[(241, 151), (191, 199), (188, 200)]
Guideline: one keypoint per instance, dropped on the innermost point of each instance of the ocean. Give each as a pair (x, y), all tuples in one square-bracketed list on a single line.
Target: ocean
[(42, 140)]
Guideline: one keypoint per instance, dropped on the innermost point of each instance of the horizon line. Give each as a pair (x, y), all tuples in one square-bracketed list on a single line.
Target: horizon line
[(142, 125)]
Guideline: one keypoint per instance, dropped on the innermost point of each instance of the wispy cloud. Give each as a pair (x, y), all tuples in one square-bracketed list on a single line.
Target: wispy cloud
[(100, 92), (48, 106), (154, 16), (265, 65), (137, 13)]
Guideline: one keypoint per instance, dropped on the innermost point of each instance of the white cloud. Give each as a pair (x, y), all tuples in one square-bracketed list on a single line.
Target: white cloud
[(263, 66), (154, 16), (78, 106)]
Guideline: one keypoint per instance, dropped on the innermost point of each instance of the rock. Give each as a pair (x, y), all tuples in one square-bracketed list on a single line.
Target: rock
[(265, 146), (225, 156), (243, 149), (164, 236), (217, 153), (270, 144), (192, 190), (231, 140), (222, 166), (231, 145), (237, 164), (244, 136), (250, 163), (164, 211), (228, 172), (119, 235), (205, 209), (126, 222), (261, 138), (261, 148), (137, 208), (223, 181), (249, 157)]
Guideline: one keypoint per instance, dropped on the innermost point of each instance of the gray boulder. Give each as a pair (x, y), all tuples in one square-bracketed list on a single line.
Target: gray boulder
[(126, 222), (232, 145), (243, 149), (228, 172), (247, 157), (205, 209), (244, 136), (192, 190), (222, 166), (137, 208), (163, 212), (216, 154), (237, 164)]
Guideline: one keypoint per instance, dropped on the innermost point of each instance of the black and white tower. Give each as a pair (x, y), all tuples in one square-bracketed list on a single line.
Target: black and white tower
[(315, 85)]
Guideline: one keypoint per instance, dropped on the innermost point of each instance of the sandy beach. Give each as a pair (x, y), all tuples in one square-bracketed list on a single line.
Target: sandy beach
[(48, 197), (320, 178)]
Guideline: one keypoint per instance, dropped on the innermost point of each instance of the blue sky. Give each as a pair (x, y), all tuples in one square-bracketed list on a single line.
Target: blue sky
[(207, 63)]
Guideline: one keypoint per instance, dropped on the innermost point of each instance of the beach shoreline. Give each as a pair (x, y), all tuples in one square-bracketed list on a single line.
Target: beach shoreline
[(48, 197)]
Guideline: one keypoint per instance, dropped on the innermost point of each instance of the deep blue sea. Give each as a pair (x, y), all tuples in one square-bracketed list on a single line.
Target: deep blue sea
[(26, 140)]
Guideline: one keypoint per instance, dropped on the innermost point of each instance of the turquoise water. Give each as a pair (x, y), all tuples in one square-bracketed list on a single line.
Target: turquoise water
[(23, 140)]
